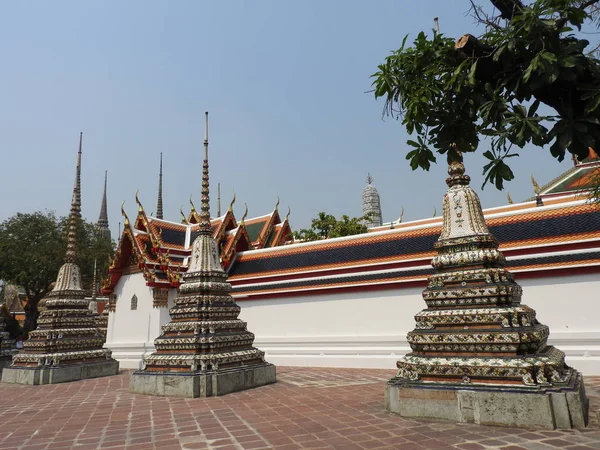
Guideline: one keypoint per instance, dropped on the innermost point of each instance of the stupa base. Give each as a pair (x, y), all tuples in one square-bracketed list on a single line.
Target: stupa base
[(198, 384), (59, 374), (549, 407), (5, 361)]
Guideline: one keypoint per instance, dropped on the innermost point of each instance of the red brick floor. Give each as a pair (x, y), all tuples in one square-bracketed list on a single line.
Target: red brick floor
[(307, 408)]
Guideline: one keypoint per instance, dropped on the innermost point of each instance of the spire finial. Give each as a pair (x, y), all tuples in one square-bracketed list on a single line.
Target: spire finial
[(218, 199), (230, 209), (95, 281), (509, 198), (124, 214), (369, 178), (287, 216), (536, 187), (245, 214), (159, 203), (103, 218), (75, 214), (183, 218), (192, 204), (205, 206), (401, 215), (277, 204), (139, 203)]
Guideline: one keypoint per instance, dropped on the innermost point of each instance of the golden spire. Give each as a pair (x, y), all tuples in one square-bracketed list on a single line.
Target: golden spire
[(277, 204), (139, 203), (287, 216), (245, 214), (230, 209), (509, 198), (183, 218), (192, 204), (536, 187), (124, 214)]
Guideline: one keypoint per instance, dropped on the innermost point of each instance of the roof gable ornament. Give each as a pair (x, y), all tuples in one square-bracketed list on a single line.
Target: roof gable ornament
[(230, 209), (245, 214)]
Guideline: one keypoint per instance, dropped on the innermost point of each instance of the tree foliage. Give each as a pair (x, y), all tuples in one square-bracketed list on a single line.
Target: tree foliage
[(326, 226), (450, 93), (32, 249)]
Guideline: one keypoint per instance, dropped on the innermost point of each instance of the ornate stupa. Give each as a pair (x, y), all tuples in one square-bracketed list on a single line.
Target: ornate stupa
[(479, 355), (205, 350), (67, 344), (102, 224), (371, 204), (8, 346)]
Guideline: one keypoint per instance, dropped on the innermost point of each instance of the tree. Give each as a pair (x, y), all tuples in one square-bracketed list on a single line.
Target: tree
[(326, 226), (451, 93), (32, 249)]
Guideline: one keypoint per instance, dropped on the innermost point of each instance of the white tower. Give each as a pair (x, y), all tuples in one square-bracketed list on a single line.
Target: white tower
[(371, 204)]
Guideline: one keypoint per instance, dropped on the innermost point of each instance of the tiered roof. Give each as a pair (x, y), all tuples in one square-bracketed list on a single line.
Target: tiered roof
[(563, 236), (161, 249)]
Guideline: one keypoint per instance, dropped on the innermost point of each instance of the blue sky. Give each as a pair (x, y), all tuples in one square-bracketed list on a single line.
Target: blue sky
[(285, 84)]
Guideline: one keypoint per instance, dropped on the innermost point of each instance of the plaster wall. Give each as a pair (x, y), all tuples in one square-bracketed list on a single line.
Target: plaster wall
[(131, 332), (368, 328), (360, 329)]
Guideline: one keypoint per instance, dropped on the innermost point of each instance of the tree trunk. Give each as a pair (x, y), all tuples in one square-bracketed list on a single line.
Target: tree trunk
[(31, 314)]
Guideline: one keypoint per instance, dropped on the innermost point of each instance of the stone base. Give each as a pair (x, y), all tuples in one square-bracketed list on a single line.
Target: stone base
[(198, 384), (60, 373), (564, 406)]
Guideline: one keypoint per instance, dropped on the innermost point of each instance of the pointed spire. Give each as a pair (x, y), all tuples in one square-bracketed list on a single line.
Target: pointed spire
[(95, 281), (369, 178), (75, 215), (103, 217), (218, 199), (243, 221), (205, 199), (159, 204)]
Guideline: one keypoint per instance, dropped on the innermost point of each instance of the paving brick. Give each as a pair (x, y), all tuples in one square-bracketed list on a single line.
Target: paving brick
[(307, 408)]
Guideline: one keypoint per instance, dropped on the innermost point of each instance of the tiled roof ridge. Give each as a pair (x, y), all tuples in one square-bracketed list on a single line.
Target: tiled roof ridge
[(407, 228)]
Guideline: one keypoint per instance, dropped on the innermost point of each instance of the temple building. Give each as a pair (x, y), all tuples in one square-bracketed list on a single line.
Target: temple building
[(151, 257), (350, 301), (478, 354), (371, 204), (205, 350), (67, 344)]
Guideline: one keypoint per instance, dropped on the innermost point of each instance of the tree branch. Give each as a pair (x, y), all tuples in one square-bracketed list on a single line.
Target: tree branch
[(508, 8)]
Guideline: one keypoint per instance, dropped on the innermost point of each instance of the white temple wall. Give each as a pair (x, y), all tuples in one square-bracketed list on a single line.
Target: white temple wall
[(131, 332), (368, 328), (570, 306), (359, 329)]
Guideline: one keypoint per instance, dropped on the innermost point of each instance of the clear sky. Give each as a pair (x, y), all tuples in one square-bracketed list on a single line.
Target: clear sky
[(285, 84)]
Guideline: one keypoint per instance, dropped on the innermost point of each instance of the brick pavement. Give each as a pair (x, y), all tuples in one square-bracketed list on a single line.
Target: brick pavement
[(308, 408)]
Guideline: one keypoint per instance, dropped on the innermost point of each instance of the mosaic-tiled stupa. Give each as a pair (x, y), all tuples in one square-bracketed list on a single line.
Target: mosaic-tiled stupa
[(205, 350), (479, 355), (67, 344), (8, 346)]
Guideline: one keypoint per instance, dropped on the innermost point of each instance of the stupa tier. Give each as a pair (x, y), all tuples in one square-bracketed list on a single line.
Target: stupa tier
[(206, 350), (479, 355), (67, 345)]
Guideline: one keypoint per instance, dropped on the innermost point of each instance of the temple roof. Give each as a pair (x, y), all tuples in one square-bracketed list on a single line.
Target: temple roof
[(563, 234), (160, 248), (579, 178)]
